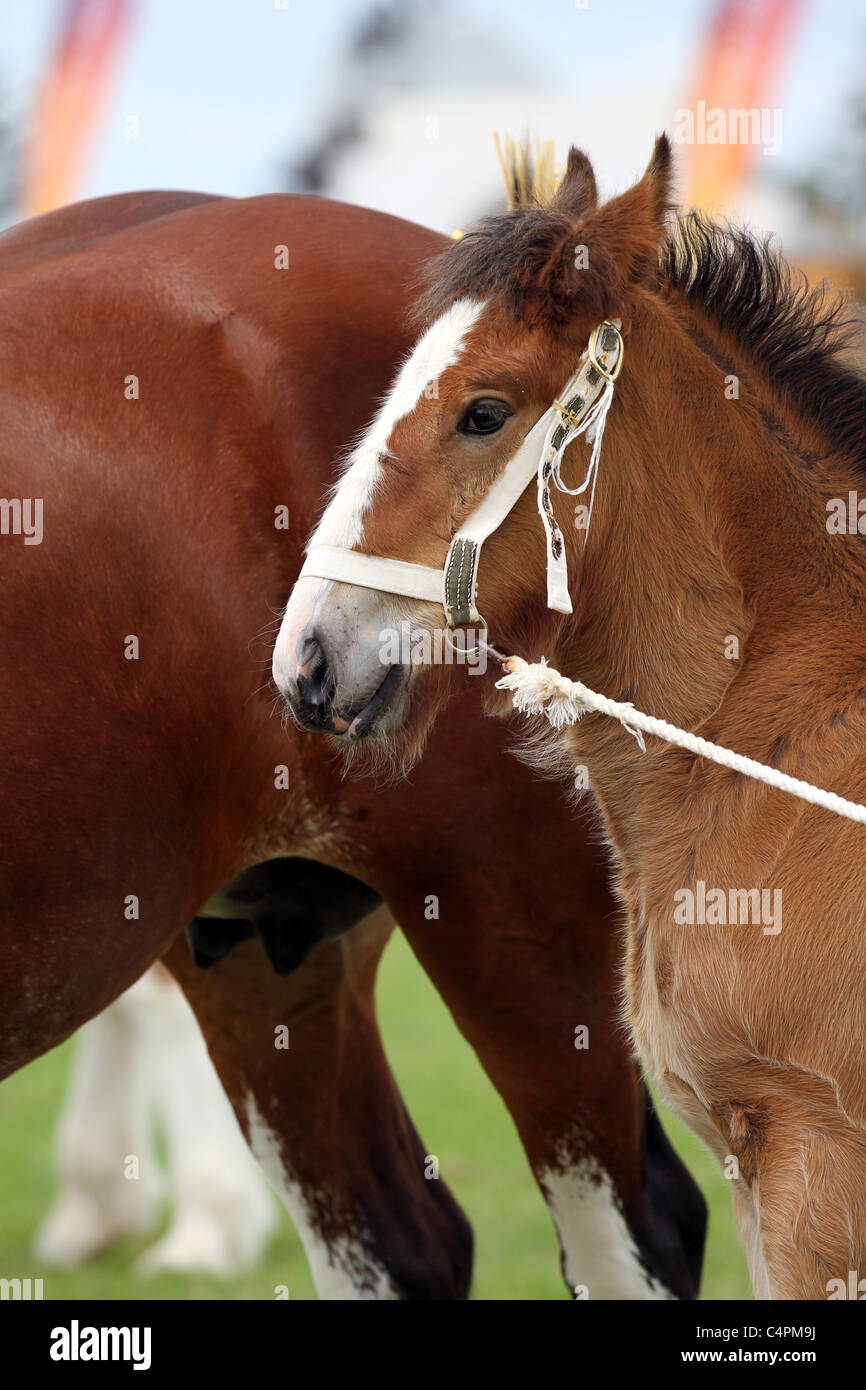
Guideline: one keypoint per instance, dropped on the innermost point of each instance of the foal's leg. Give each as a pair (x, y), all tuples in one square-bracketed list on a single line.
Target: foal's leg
[(302, 1063), (806, 1166), (748, 1228)]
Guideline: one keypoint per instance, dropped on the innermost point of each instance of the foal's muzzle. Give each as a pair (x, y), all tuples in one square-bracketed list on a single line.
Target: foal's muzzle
[(313, 693)]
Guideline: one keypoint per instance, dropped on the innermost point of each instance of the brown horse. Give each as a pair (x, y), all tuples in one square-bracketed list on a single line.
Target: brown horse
[(717, 588), (169, 390)]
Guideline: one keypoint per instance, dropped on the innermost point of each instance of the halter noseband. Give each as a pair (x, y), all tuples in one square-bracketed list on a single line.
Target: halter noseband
[(581, 409)]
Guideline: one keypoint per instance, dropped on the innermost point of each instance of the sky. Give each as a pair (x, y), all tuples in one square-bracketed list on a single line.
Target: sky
[(226, 90)]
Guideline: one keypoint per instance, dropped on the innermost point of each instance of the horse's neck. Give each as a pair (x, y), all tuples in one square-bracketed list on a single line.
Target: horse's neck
[(712, 594)]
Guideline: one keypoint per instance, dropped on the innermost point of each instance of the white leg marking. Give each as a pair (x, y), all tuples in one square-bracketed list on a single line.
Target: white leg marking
[(598, 1248), (222, 1211), (145, 1054), (343, 1269), (103, 1120)]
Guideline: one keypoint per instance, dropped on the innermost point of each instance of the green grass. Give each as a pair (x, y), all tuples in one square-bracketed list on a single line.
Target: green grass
[(456, 1111)]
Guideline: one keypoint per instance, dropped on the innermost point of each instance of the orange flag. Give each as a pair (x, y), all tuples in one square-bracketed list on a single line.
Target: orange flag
[(731, 118), (70, 100)]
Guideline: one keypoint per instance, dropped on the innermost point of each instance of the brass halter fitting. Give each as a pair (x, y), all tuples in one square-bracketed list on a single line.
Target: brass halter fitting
[(593, 350)]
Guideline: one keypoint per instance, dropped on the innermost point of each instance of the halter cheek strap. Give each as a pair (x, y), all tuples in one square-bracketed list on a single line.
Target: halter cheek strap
[(581, 410)]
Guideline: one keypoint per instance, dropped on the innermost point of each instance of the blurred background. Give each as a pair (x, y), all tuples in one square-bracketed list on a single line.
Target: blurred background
[(392, 105)]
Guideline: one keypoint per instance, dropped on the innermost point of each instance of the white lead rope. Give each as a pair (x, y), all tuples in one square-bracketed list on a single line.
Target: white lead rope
[(537, 688)]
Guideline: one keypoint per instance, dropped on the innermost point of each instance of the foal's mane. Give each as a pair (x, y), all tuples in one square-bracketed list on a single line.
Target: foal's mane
[(795, 333), (740, 283)]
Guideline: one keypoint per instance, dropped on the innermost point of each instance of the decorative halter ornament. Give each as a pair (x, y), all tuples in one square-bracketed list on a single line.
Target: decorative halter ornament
[(581, 410)]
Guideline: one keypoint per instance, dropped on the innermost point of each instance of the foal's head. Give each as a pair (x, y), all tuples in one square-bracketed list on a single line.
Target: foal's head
[(507, 318)]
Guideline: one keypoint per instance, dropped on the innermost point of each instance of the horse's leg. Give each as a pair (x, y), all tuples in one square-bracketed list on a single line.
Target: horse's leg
[(302, 1063), (630, 1219), (108, 1183), (668, 1214), (144, 1057), (221, 1210)]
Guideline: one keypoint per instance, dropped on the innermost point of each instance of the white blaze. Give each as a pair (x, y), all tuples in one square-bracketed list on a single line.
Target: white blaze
[(342, 523), (438, 349)]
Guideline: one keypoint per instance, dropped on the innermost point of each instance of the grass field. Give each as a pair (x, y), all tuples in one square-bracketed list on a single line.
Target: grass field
[(461, 1120)]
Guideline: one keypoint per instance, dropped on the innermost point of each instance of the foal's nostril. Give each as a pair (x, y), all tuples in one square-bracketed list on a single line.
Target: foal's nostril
[(315, 680), (309, 650)]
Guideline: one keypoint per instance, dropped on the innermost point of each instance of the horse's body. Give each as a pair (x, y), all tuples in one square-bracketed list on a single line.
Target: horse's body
[(166, 392), (721, 587)]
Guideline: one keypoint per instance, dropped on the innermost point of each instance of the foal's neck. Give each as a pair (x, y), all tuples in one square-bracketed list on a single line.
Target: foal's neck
[(712, 593)]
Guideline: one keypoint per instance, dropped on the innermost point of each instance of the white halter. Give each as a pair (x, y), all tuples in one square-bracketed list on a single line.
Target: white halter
[(582, 410), (537, 688)]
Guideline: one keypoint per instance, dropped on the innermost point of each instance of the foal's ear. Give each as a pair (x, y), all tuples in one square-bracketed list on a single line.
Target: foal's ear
[(577, 193), (630, 228), (596, 263)]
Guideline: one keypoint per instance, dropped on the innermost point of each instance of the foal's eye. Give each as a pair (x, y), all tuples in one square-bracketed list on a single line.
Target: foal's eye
[(483, 417)]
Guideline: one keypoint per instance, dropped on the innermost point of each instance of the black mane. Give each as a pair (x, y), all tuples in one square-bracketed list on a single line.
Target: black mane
[(795, 333)]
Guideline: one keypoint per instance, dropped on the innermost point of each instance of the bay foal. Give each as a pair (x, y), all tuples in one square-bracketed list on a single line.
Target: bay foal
[(717, 589), (172, 395)]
